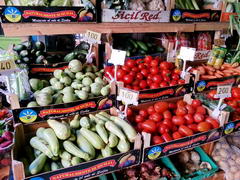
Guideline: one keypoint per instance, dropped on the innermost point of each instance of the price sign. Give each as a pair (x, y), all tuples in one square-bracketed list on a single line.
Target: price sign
[(7, 65), (128, 96), (93, 37), (118, 57), (224, 91), (187, 53)]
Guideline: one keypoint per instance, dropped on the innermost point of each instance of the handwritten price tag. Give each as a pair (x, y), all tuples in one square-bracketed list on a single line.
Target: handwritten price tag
[(187, 53), (93, 37), (128, 96), (7, 65), (224, 91), (118, 57)]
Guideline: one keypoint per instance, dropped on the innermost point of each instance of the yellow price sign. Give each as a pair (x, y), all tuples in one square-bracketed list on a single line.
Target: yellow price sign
[(7, 65)]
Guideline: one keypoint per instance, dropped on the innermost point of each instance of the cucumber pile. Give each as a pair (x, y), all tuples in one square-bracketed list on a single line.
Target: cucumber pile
[(137, 47), (82, 139)]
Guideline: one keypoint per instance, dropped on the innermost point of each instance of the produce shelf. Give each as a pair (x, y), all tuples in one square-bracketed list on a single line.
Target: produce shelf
[(27, 29)]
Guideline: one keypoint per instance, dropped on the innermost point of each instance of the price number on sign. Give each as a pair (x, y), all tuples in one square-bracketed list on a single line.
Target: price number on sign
[(7, 65), (128, 96), (93, 37), (187, 53), (224, 91)]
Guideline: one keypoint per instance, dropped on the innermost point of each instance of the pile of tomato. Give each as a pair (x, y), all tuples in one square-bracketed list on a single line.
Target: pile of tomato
[(233, 101), (168, 121), (147, 73)]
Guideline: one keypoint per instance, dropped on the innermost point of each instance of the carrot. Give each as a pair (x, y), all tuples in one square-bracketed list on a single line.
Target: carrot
[(201, 70), (211, 73), (219, 72), (208, 77), (209, 68), (236, 64), (227, 71), (236, 70), (218, 75), (227, 74), (225, 65)]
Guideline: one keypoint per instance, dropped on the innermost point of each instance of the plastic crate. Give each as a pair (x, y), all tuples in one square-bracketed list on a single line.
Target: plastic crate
[(168, 163), (199, 175)]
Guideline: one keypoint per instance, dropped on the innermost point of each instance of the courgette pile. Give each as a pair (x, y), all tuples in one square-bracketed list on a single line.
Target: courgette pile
[(82, 139)]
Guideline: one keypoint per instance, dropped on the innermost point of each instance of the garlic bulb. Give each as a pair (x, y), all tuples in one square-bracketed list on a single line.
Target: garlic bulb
[(137, 5), (156, 5)]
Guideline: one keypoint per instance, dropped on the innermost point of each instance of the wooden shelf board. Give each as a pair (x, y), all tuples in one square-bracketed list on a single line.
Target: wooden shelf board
[(27, 29)]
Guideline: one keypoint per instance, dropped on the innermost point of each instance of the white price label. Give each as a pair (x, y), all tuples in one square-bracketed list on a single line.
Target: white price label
[(118, 57), (128, 96), (187, 53), (93, 37), (7, 65), (223, 91)]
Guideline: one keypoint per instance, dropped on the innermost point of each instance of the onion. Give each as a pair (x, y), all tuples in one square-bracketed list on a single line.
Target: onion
[(150, 164), (157, 170), (165, 172), (144, 168), (131, 172)]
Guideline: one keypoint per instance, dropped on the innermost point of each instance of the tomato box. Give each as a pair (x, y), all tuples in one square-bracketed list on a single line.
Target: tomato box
[(83, 170), (152, 152)]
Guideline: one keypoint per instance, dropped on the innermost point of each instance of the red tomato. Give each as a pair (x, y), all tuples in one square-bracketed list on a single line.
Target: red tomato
[(236, 93), (193, 127), (130, 63), (143, 84), (181, 111), (178, 120), (135, 69), (168, 122), (181, 103), (156, 117), (173, 83), (161, 106), (144, 72), (172, 106), (129, 112), (151, 110), (157, 78), (139, 127), (211, 94), (196, 103), (139, 76), (136, 82), (144, 113), (148, 59), (139, 118), (163, 128), (126, 68), (190, 109), (128, 79), (167, 137), (128, 86), (204, 126), (139, 61), (136, 88), (165, 65), (167, 114), (189, 118), (185, 131), (181, 81), (177, 71), (132, 73), (157, 140), (141, 66), (149, 126), (175, 77), (154, 70), (120, 74), (198, 117), (166, 72), (166, 78), (149, 82), (154, 63), (201, 110), (163, 84), (176, 135), (150, 77), (213, 122), (154, 86), (233, 103), (174, 128)]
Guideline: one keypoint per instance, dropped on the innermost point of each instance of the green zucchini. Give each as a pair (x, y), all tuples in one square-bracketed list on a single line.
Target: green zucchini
[(102, 132), (113, 128), (75, 161), (106, 115), (66, 155), (65, 163), (123, 146), (37, 165), (51, 138), (106, 152), (85, 145), (74, 150), (40, 145), (54, 166), (113, 140)]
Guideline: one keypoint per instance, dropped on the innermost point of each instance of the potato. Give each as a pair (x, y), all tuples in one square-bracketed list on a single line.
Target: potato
[(237, 176), (238, 160), (229, 176), (218, 145), (217, 158), (231, 162), (223, 165), (234, 169), (223, 153), (225, 146), (234, 156)]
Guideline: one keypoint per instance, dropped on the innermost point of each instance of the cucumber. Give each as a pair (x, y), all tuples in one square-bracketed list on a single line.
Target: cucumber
[(23, 53), (142, 45), (93, 138), (113, 128), (74, 150), (51, 138), (85, 145), (40, 145), (40, 46), (37, 165), (69, 57), (133, 43), (19, 47), (102, 132)]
